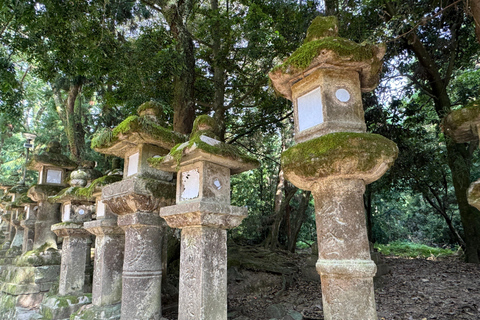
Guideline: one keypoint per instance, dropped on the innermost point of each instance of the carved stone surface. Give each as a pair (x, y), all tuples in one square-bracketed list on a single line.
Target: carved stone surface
[(344, 263), (48, 214), (109, 252), (208, 214), (142, 266), (76, 247), (138, 194), (203, 274)]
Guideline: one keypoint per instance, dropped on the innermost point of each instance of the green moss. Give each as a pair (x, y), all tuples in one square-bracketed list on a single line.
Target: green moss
[(53, 159), (44, 255), (70, 193), (458, 117), (140, 124), (344, 48), (221, 149), (158, 189), (407, 249), (18, 189), (321, 155), (49, 190), (322, 27), (102, 181), (205, 125)]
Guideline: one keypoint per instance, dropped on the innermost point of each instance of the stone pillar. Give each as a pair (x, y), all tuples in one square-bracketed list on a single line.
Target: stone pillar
[(19, 232), (48, 214), (28, 234), (107, 272), (74, 257), (203, 256), (344, 264), (132, 199)]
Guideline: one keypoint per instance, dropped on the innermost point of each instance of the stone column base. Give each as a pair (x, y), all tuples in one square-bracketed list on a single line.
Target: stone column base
[(347, 289)]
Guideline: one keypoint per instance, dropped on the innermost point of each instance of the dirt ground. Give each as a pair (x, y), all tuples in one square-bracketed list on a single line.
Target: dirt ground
[(414, 289)]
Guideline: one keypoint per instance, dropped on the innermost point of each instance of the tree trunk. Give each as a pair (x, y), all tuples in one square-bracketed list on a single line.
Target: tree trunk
[(299, 218), (176, 14), (459, 161), (74, 126), (369, 213), (218, 75)]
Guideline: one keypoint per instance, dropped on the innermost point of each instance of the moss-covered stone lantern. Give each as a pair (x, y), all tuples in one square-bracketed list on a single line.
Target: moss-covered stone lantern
[(109, 253), (136, 200), (77, 208), (19, 200), (53, 168), (335, 158), (28, 225), (203, 212), (324, 79), (463, 126)]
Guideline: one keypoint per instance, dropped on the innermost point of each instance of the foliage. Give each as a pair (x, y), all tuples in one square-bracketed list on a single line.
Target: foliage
[(406, 249)]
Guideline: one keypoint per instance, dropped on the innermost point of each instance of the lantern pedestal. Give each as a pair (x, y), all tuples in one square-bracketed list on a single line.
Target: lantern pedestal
[(109, 247), (203, 256), (136, 200), (336, 167)]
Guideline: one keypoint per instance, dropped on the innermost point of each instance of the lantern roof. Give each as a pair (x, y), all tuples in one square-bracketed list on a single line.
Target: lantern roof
[(51, 156), (144, 128), (323, 48), (204, 146)]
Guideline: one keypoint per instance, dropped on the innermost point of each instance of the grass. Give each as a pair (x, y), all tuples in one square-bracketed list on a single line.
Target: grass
[(407, 249)]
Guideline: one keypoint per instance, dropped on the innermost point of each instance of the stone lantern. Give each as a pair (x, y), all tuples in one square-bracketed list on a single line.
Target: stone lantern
[(76, 209), (6, 217), (136, 200), (463, 126), (19, 201), (203, 212), (109, 253), (335, 158), (52, 167), (28, 225)]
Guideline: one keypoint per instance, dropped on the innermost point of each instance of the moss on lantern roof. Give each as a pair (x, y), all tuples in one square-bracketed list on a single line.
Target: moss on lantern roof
[(143, 125), (203, 126), (322, 27), (338, 153), (51, 159), (84, 193), (344, 49)]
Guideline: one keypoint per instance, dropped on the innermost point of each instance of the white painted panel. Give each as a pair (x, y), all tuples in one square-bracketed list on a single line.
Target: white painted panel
[(66, 212), (54, 176), (100, 209), (310, 110), (342, 95), (132, 164), (190, 184)]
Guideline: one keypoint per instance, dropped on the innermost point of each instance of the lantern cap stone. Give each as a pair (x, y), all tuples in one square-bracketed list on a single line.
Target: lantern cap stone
[(461, 124), (323, 49), (84, 193), (51, 156), (340, 155), (133, 131), (203, 147), (41, 192)]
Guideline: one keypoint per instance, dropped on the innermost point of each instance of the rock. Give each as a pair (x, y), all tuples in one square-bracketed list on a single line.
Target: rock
[(293, 315), (275, 311)]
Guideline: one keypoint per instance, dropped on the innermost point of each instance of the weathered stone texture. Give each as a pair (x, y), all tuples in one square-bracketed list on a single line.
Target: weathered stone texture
[(109, 248), (203, 274), (142, 266)]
